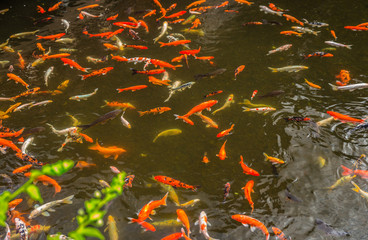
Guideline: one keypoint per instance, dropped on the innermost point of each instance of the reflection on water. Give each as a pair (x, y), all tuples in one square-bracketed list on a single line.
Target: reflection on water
[(299, 144)]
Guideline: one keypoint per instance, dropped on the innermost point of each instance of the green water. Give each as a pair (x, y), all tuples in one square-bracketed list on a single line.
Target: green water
[(180, 156)]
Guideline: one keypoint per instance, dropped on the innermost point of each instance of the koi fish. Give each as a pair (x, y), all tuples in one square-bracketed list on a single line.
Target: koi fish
[(83, 97), (13, 204), (84, 164), (252, 222), (191, 52), (239, 70), (305, 30), (341, 181), (136, 47), (48, 206), (175, 183), (273, 159), (190, 203), (222, 153), (175, 15), (55, 7), (289, 33), (51, 37), (195, 3), (315, 23), (147, 226), (22, 169), (88, 7), (147, 209), (162, 64), (356, 28), (229, 101), (225, 132), (182, 217), (213, 94), (129, 181), (168, 132), (344, 118), (174, 43), (124, 121), (312, 84), (40, 9), (259, 110), (174, 236), (328, 229), (292, 19), (335, 44), (274, 8), (21, 228), (207, 120), (17, 79), (46, 180), (108, 151), (293, 68), (72, 64), (113, 230), (21, 61), (200, 107), (244, 2), (159, 110), (279, 234), (267, 10), (99, 72), (148, 72), (102, 119), (297, 119), (248, 189), (203, 225), (318, 54), (119, 105), (153, 12), (247, 170), (361, 173), (164, 28), (226, 190), (10, 144), (28, 158), (59, 55), (159, 82), (133, 88), (205, 158)]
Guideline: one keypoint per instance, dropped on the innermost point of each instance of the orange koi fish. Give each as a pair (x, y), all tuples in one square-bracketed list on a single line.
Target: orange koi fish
[(244, 1), (26, 93), (225, 132), (204, 58), (289, 33), (143, 24), (222, 153), (147, 226), (87, 7), (104, 34), (163, 12), (39, 46), (84, 164), (247, 170), (292, 19), (157, 3), (239, 70), (333, 34), (205, 158), (112, 18), (178, 59), (17, 79), (200, 107), (86, 137), (128, 181), (99, 72), (136, 47), (108, 151), (46, 180), (160, 63), (273, 159), (126, 24), (148, 72), (111, 47), (344, 76), (182, 216), (363, 24), (132, 88), (22, 169), (59, 55), (213, 94), (191, 52), (148, 208), (174, 236), (27, 158), (40, 9), (11, 134), (72, 64), (196, 23), (279, 234), (21, 61), (196, 3), (175, 183), (207, 120), (178, 14), (232, 11), (51, 37), (120, 105), (153, 12), (172, 6), (356, 28), (174, 43), (159, 110), (55, 7), (318, 54), (223, 4), (248, 189), (312, 84), (344, 118), (361, 173), (252, 222), (159, 82), (277, 9), (13, 204)]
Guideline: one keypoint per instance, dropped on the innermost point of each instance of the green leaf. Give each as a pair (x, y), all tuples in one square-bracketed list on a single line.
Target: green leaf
[(91, 232), (91, 205), (34, 193), (4, 201), (58, 168), (95, 216)]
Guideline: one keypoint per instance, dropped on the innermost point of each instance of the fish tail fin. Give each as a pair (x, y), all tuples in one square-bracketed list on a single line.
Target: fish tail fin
[(333, 87), (266, 156), (162, 44), (246, 109), (316, 33), (133, 220), (134, 71), (195, 187), (347, 171), (164, 199), (86, 69), (68, 200), (357, 188), (273, 69), (83, 77), (141, 113)]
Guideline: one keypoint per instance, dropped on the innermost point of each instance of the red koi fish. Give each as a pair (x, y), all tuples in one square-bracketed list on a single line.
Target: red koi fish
[(46, 180), (223, 4), (279, 234), (172, 6), (292, 19), (11, 134), (318, 54), (175, 15), (112, 18), (227, 190), (247, 170), (222, 153), (154, 111), (148, 72), (148, 208), (51, 37), (252, 222), (129, 181), (133, 88), (9, 144), (225, 132), (254, 94), (199, 108), (289, 33), (174, 43), (147, 226), (59, 55), (277, 9), (99, 72), (344, 118), (239, 70), (40, 9), (160, 63), (55, 7), (136, 47), (333, 34), (248, 189), (72, 64), (126, 24), (213, 94), (356, 28), (88, 7), (14, 203), (21, 61), (22, 169), (175, 183), (153, 12), (347, 171), (190, 52)]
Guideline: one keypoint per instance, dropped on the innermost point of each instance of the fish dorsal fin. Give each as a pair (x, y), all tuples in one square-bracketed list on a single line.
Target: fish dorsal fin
[(209, 224), (51, 210), (252, 228), (196, 222), (245, 225), (46, 214)]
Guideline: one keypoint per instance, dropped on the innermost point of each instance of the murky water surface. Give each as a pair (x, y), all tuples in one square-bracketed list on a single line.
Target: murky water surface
[(180, 156)]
